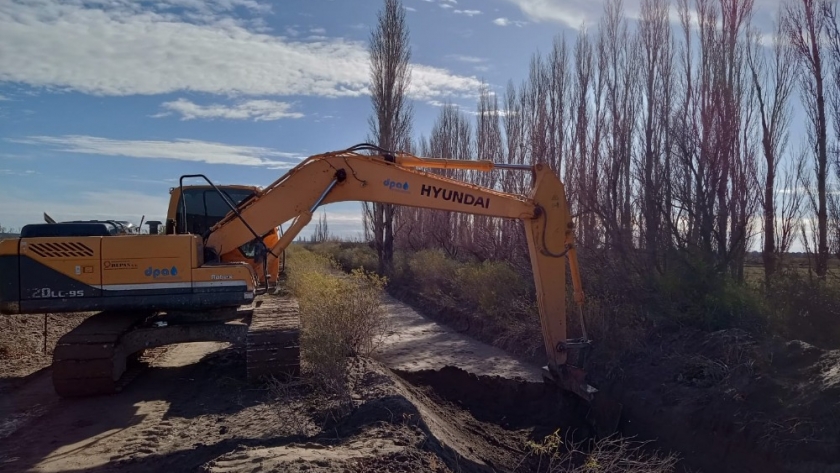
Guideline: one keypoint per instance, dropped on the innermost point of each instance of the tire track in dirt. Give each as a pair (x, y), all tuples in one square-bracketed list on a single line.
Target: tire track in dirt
[(108, 431)]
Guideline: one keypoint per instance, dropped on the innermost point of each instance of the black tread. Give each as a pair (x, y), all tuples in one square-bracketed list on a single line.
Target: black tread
[(85, 360), (273, 342)]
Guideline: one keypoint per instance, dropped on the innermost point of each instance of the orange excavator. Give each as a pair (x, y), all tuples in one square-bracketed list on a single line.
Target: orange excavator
[(155, 290), (196, 209)]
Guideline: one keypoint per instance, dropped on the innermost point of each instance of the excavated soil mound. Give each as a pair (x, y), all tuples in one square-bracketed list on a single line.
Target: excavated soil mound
[(429, 421), (732, 403)]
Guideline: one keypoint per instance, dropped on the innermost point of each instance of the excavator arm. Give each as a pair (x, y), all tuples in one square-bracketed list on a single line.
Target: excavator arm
[(397, 178)]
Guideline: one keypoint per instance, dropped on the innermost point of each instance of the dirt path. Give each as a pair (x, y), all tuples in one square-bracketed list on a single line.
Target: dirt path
[(180, 405), (416, 343)]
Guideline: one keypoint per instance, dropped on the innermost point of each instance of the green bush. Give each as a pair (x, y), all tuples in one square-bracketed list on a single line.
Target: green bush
[(434, 273), (341, 315), (492, 287), (349, 256), (698, 295)]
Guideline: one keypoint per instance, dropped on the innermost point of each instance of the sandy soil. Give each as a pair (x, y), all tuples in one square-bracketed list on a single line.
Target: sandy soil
[(193, 410), (416, 343), (23, 348)]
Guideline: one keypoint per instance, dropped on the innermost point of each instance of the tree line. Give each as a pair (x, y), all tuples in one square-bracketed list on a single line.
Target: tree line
[(673, 138)]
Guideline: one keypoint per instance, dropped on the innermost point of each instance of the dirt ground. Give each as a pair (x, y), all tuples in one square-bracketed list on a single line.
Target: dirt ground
[(192, 410), (23, 350), (431, 400), (724, 401), (730, 402), (416, 343)]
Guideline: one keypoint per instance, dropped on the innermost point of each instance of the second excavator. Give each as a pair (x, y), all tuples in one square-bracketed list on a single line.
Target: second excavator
[(154, 290)]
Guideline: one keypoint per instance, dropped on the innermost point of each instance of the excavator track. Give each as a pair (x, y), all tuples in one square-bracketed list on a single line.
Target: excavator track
[(86, 360), (101, 355), (273, 341)]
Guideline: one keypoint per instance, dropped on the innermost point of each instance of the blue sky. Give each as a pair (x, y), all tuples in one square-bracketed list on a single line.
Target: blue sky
[(104, 103)]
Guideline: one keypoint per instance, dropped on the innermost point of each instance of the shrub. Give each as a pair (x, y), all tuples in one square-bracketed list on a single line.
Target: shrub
[(805, 308), (341, 315), (493, 288), (349, 256), (433, 272), (698, 295)]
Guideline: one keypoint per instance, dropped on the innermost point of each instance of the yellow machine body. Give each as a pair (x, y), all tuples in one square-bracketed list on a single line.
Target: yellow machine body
[(133, 272)]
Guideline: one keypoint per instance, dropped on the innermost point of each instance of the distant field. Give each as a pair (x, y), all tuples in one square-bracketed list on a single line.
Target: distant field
[(754, 268)]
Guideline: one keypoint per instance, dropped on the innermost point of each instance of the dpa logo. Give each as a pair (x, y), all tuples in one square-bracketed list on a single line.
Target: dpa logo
[(396, 186), (155, 273)]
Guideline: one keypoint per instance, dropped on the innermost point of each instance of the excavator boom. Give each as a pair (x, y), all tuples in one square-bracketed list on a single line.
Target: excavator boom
[(398, 178)]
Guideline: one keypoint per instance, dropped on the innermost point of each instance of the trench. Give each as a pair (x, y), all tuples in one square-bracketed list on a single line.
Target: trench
[(495, 421), (511, 404)]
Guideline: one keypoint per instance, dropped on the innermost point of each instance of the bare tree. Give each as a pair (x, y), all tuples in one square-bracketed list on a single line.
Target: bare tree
[(834, 93), (806, 25), (656, 54), (450, 138), (322, 230), (789, 211), (391, 122), (488, 145), (618, 63), (834, 96), (772, 87)]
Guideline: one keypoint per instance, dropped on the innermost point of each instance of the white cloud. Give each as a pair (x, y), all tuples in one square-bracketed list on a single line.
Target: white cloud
[(4, 98), (506, 22), (467, 12), (184, 150), (445, 5), (410, 9), (463, 58), (577, 13), (119, 49), (258, 110), (572, 13), (14, 172), (318, 31)]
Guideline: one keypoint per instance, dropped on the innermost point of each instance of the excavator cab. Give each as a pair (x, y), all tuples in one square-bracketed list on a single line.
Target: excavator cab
[(196, 209)]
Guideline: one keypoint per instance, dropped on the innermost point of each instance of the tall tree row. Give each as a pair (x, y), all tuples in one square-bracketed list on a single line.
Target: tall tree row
[(809, 25), (391, 121), (673, 134)]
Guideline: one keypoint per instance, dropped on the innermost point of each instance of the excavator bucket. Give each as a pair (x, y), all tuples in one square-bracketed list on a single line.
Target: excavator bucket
[(604, 412)]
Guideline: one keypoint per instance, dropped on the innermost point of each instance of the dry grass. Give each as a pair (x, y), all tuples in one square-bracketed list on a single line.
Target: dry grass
[(341, 315), (609, 455)]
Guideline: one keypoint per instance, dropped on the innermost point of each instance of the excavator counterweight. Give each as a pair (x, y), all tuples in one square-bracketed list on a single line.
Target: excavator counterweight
[(74, 267)]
